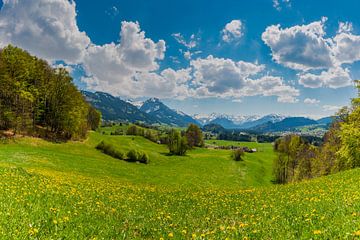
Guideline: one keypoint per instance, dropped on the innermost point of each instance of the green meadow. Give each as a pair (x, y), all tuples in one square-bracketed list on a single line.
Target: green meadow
[(73, 191)]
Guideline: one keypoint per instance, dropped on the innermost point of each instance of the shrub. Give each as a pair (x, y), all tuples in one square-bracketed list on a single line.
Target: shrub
[(237, 154), (110, 150), (136, 156), (144, 158), (133, 155)]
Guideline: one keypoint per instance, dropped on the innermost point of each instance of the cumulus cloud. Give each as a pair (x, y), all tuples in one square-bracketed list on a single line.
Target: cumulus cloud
[(333, 78), (219, 77), (346, 46), (299, 47), (113, 67), (305, 48), (130, 67), (47, 29), (311, 101), (232, 31)]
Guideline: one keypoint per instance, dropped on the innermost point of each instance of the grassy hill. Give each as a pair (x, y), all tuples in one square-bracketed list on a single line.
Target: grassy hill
[(73, 191)]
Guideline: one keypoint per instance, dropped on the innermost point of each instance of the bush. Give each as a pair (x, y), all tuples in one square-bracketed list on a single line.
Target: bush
[(110, 150), (145, 158), (133, 155), (136, 156), (237, 154)]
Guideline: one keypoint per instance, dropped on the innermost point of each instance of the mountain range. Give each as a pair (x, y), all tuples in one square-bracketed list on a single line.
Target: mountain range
[(153, 111), (155, 108)]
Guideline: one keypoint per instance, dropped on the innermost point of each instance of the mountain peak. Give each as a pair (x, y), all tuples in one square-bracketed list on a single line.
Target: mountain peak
[(153, 100)]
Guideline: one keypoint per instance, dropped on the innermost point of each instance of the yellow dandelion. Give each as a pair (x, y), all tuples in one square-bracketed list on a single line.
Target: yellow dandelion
[(357, 233), (171, 235), (317, 232)]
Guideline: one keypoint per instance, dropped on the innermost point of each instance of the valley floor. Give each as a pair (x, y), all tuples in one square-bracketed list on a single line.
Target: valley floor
[(73, 191)]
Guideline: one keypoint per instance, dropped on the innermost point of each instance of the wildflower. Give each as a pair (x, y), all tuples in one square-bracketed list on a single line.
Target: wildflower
[(184, 231), (357, 233), (317, 232), (55, 222), (171, 235), (33, 231)]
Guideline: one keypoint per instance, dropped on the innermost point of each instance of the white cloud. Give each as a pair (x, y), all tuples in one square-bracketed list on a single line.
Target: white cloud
[(345, 27), (274, 86), (192, 43), (299, 47), (168, 84), (277, 4), (311, 101), (333, 78), (331, 108), (232, 31), (346, 46), (115, 67), (47, 29), (304, 48), (219, 77)]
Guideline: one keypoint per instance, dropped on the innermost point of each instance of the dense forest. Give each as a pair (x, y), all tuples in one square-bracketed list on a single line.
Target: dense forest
[(298, 159), (38, 100)]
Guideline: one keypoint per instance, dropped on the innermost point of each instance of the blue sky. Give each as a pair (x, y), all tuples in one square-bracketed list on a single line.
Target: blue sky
[(200, 56)]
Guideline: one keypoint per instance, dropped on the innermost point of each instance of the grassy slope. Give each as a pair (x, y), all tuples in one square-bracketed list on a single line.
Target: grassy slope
[(200, 168), (71, 190)]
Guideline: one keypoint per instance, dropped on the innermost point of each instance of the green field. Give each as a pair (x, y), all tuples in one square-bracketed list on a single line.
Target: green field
[(72, 191)]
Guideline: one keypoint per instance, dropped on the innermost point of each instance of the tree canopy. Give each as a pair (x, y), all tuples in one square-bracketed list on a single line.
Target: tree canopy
[(40, 100)]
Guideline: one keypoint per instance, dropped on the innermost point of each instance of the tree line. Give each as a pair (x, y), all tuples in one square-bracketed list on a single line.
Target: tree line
[(298, 159), (178, 142), (37, 99)]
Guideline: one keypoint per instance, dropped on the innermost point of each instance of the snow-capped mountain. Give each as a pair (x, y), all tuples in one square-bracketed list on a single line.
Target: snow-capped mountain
[(237, 121), (154, 107), (137, 104), (115, 109)]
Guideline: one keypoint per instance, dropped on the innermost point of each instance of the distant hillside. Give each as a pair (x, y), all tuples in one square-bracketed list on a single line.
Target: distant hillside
[(326, 120), (214, 128), (115, 109), (155, 108), (225, 123), (285, 125)]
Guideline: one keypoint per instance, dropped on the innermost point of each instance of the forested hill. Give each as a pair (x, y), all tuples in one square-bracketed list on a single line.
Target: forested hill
[(36, 99)]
